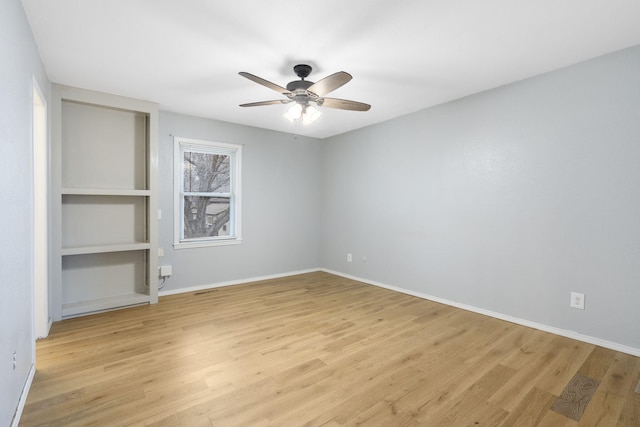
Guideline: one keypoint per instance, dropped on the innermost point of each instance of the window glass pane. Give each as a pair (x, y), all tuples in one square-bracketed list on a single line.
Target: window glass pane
[(206, 216), (206, 172)]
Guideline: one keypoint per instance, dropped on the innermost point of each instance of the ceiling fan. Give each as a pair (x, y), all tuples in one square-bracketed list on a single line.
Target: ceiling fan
[(303, 93)]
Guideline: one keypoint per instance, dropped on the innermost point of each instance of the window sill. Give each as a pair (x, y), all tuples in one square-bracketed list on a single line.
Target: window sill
[(206, 244)]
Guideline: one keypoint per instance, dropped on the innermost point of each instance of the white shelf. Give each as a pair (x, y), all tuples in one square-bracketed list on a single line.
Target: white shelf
[(104, 192), (104, 161), (98, 249), (101, 304)]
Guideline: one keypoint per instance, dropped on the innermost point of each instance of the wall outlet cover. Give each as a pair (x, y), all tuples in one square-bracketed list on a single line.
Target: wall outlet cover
[(165, 271), (577, 300)]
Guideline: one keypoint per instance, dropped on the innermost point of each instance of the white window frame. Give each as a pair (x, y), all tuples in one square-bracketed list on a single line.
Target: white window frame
[(181, 144)]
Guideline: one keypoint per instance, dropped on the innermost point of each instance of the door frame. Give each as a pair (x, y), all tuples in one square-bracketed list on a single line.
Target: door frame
[(40, 146)]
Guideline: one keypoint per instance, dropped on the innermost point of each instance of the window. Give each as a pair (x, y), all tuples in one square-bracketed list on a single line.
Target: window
[(207, 193)]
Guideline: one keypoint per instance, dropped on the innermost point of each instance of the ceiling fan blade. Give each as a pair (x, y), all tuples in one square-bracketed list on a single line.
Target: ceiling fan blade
[(264, 82), (261, 103), (330, 83), (343, 104)]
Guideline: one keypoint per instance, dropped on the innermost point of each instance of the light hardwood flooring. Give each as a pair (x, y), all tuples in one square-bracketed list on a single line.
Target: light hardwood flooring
[(317, 350)]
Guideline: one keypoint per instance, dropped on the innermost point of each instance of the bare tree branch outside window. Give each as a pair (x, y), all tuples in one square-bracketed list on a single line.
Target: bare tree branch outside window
[(207, 194)]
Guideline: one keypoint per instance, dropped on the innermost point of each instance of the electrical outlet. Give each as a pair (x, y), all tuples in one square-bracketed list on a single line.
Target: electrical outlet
[(349, 258), (166, 271), (15, 360), (577, 300)]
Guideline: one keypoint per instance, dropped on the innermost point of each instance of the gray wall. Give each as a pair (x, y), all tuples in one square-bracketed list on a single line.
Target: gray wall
[(280, 205), (19, 62), (507, 200)]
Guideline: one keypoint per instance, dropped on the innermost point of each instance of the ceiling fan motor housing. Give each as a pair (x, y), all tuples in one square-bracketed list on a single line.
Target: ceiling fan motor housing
[(298, 85), (302, 71)]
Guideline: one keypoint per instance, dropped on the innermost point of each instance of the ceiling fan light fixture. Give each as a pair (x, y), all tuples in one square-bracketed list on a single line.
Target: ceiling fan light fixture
[(310, 115), (294, 112), (306, 112)]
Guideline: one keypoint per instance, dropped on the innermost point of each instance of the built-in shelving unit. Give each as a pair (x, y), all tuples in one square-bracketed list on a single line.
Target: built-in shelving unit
[(104, 163)]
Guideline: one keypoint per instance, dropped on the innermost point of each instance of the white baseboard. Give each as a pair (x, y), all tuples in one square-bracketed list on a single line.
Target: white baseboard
[(23, 396), (552, 329), (234, 282)]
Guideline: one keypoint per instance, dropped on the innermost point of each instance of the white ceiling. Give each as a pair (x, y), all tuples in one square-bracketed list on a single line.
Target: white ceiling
[(404, 55)]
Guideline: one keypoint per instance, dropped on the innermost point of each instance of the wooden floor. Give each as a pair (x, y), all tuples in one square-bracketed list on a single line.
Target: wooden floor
[(320, 350)]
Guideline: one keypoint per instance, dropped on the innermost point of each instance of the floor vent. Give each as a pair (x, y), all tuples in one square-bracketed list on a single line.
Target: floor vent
[(575, 397), (205, 292)]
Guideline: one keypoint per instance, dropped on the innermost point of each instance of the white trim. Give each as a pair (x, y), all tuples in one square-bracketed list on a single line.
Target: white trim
[(40, 211), (235, 282), (535, 325), (235, 215), (23, 396), (207, 243)]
